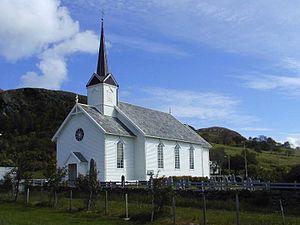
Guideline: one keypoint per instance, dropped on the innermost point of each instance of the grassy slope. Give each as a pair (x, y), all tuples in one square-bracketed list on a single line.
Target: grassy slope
[(266, 159)]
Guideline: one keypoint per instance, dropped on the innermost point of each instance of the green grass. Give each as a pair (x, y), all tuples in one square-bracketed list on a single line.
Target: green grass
[(266, 159), (11, 214), (38, 214)]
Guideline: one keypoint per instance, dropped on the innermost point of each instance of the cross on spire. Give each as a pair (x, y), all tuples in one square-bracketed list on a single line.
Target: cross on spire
[(102, 68)]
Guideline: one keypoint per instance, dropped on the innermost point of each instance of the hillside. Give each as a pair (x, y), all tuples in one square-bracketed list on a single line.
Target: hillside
[(29, 117), (221, 135)]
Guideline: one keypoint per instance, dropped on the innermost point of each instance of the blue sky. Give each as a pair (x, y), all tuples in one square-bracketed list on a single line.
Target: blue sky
[(214, 63)]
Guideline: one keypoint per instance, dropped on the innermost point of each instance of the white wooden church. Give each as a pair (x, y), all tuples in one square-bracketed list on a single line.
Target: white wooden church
[(125, 139)]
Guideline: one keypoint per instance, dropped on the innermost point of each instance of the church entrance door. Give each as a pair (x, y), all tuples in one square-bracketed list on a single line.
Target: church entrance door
[(72, 172)]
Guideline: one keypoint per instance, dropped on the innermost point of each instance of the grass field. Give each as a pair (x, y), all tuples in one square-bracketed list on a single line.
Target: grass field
[(11, 214), (267, 159), (37, 213)]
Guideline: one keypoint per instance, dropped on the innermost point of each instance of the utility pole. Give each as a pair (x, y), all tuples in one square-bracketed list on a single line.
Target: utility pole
[(229, 169), (228, 162), (246, 163)]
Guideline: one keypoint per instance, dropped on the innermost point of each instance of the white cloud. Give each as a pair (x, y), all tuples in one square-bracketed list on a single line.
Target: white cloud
[(286, 80), (291, 84), (43, 29), (53, 65), (29, 26), (193, 106), (146, 45), (294, 139)]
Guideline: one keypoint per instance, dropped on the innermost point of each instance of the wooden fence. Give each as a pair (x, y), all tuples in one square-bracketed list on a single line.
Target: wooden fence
[(188, 185), (207, 185)]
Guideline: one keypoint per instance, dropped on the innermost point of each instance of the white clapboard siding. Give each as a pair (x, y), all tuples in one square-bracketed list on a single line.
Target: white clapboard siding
[(200, 169), (139, 149), (206, 162), (112, 172), (91, 146)]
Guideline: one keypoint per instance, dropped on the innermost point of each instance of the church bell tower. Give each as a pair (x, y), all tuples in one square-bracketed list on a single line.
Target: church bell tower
[(102, 88)]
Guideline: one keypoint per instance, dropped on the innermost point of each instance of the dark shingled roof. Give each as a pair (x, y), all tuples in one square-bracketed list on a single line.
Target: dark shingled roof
[(159, 124), (109, 124), (107, 79), (80, 157)]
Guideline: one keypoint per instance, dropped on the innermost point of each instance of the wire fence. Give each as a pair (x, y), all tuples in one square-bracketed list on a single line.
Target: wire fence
[(135, 198)]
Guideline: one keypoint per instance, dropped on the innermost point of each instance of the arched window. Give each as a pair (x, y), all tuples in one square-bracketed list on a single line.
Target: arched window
[(120, 154), (177, 156), (192, 165), (160, 155)]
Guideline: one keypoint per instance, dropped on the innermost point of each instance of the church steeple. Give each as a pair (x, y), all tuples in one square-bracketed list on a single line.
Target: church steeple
[(102, 68), (102, 74), (102, 88)]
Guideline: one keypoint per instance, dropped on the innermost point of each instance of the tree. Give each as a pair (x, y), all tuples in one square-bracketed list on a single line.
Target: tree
[(22, 171), (294, 174), (251, 157), (55, 177), (92, 184), (237, 163), (7, 182), (218, 155), (286, 144)]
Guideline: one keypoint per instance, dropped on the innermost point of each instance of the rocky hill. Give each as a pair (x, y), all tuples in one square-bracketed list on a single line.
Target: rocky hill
[(221, 135)]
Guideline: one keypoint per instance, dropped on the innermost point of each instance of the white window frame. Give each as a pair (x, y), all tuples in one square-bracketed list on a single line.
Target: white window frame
[(160, 156), (120, 155), (177, 156), (192, 157)]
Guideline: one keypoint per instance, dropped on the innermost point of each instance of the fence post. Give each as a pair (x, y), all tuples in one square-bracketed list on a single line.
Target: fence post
[(152, 204), (204, 208), (106, 203), (174, 210), (70, 202), (126, 207), (237, 203), (27, 196), (282, 212)]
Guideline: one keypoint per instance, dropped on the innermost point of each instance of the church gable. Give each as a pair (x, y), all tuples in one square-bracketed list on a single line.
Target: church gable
[(73, 117)]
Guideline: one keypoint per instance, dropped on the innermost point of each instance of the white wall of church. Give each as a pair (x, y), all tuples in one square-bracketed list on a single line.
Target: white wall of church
[(91, 146), (201, 162), (112, 172), (206, 162), (139, 149), (95, 95), (110, 99), (103, 97)]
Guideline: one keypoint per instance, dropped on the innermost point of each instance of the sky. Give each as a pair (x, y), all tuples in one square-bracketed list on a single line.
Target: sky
[(227, 63)]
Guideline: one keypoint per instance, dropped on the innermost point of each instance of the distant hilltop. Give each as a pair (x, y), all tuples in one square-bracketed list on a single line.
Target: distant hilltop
[(221, 135)]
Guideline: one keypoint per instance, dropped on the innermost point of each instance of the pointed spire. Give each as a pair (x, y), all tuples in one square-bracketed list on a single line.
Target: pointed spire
[(102, 74), (102, 68)]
